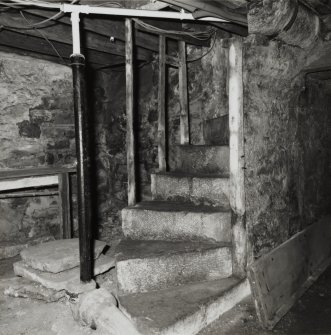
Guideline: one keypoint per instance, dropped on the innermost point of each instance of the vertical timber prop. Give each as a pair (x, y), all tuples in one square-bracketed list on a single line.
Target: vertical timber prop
[(83, 155), (161, 134), (237, 156), (183, 95), (130, 138)]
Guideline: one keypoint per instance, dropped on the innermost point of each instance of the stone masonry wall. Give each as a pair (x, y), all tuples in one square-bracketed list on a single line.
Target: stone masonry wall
[(36, 126), (287, 143)]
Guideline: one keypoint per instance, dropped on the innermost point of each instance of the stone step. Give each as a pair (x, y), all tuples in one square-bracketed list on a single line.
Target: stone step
[(143, 266), (161, 220), (205, 159), (183, 310), (210, 190)]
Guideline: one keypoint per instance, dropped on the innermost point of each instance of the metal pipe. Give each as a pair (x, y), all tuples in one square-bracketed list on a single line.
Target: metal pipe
[(75, 33), (125, 12), (83, 167)]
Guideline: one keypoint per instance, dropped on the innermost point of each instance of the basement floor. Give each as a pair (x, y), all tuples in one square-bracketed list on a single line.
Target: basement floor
[(19, 316)]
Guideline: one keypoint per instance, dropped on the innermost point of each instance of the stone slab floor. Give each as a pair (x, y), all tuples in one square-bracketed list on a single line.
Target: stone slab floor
[(20, 316)]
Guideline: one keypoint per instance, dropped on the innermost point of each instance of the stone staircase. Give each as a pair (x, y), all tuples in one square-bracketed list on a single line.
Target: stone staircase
[(174, 269)]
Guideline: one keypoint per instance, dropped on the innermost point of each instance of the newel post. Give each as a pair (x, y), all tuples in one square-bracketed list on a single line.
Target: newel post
[(130, 138)]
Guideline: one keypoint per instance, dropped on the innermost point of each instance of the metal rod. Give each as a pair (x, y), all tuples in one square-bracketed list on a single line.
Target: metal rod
[(83, 167)]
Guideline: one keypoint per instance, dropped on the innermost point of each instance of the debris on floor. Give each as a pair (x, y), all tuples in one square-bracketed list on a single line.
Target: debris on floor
[(50, 274), (98, 310)]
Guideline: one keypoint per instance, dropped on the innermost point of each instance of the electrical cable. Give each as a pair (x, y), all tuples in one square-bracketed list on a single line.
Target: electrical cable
[(47, 40), (206, 53), (202, 36), (41, 23)]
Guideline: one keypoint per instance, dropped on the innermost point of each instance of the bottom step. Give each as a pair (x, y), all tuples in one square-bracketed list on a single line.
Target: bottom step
[(184, 310)]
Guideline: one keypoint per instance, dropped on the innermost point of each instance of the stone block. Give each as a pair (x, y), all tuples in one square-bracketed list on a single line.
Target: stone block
[(68, 280), (57, 256), (203, 159), (11, 249), (183, 310), (198, 189), (24, 288), (173, 221), (144, 266)]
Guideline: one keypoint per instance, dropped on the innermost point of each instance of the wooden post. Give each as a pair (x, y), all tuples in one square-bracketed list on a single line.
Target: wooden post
[(183, 95), (130, 139), (237, 157), (64, 204), (161, 134), (83, 167)]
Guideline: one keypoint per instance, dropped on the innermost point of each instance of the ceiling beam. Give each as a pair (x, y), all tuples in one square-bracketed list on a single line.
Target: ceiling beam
[(38, 45), (62, 33), (115, 27)]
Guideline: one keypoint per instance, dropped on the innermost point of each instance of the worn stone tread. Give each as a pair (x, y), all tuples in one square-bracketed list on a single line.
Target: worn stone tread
[(66, 280), (185, 309), (138, 249), (58, 255), (174, 206)]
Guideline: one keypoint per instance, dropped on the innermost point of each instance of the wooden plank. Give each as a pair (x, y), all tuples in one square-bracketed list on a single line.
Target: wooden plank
[(237, 155), (62, 33), (28, 194), (281, 277), (41, 46), (105, 27), (114, 27), (43, 171), (130, 138), (183, 94), (174, 26), (161, 134), (28, 182), (65, 205)]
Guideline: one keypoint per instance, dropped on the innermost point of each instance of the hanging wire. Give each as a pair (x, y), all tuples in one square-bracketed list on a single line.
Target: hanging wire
[(202, 36), (206, 53), (47, 40), (10, 5)]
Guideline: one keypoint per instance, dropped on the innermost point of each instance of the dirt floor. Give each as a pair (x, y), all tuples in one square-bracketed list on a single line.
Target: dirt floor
[(310, 315), (19, 316)]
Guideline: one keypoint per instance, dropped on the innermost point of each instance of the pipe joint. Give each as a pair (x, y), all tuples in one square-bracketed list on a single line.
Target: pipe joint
[(84, 9)]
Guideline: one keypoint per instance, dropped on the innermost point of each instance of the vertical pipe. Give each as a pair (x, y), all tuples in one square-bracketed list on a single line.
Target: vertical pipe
[(161, 134), (183, 95), (130, 139), (83, 160)]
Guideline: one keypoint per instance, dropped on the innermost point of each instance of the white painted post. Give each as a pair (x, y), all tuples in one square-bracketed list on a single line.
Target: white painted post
[(237, 157)]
